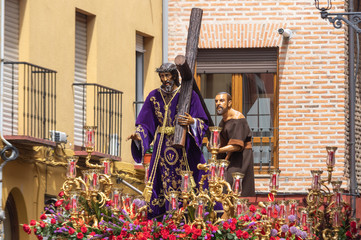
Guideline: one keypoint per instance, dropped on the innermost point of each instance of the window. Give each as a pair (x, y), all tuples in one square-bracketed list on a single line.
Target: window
[(250, 75), (139, 76)]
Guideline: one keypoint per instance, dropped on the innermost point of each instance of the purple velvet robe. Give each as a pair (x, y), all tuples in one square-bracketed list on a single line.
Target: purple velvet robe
[(171, 160)]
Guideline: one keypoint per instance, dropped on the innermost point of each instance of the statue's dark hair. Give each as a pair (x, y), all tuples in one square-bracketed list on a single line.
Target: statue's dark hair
[(229, 97), (171, 68)]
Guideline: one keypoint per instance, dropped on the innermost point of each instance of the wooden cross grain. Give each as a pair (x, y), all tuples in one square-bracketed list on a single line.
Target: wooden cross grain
[(186, 66)]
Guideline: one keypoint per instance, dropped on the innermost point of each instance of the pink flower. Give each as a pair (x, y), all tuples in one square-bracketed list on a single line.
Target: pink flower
[(245, 235), (53, 221), (239, 233), (32, 223), (225, 225)]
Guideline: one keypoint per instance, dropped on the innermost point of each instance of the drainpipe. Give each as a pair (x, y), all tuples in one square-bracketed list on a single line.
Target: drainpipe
[(165, 31), (352, 98), (8, 148)]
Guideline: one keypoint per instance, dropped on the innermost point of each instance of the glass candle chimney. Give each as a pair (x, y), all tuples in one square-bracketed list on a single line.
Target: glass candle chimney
[(106, 165), (223, 164), (215, 141), (173, 201), (90, 136), (237, 183), (186, 181), (274, 179), (71, 170), (331, 152), (316, 179)]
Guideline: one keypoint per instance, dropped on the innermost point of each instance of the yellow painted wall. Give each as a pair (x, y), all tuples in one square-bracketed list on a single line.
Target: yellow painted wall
[(47, 39)]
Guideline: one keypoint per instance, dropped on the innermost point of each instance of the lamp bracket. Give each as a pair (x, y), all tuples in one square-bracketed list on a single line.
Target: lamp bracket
[(352, 19)]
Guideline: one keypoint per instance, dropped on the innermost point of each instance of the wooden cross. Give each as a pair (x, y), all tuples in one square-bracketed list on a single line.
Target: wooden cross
[(186, 66)]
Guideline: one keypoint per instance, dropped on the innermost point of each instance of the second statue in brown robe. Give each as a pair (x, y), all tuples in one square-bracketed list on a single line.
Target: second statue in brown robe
[(237, 132)]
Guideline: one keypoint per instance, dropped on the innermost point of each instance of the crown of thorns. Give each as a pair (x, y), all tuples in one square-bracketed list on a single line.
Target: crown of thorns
[(166, 67)]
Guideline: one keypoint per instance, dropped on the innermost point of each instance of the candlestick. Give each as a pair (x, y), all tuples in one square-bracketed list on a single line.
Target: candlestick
[(71, 170)]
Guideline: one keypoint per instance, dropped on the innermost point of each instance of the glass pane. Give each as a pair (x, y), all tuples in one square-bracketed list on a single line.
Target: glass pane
[(211, 84), (258, 102)]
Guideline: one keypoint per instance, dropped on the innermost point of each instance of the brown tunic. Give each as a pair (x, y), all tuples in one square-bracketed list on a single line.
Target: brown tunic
[(237, 132)]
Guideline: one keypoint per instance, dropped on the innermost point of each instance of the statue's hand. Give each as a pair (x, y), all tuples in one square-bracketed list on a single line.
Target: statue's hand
[(185, 120), (134, 136)]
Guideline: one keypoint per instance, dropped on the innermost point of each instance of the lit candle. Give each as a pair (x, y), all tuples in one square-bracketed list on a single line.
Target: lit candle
[(116, 200), (72, 168), (185, 189), (336, 218), (215, 139), (304, 218), (236, 185), (174, 203), (274, 180), (73, 203), (238, 208), (95, 181), (200, 210), (221, 171), (106, 167), (269, 210), (213, 171), (282, 211), (293, 209), (338, 199)]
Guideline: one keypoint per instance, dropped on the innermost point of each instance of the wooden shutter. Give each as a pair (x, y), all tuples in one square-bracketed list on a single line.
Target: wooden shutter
[(11, 76), (80, 76), (237, 60)]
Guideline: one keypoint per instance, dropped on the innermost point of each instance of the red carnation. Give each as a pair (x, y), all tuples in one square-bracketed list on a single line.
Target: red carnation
[(67, 207), (349, 234), (39, 237), (79, 235), (71, 231), (239, 233), (32, 223), (92, 233), (258, 217), (225, 225), (246, 218), (245, 235), (83, 229), (252, 208), (59, 202), (26, 228), (42, 224), (263, 211), (197, 232), (61, 194), (232, 226), (43, 216), (53, 221)]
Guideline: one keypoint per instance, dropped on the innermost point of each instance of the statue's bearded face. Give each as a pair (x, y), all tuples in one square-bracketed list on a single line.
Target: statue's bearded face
[(167, 81), (221, 104)]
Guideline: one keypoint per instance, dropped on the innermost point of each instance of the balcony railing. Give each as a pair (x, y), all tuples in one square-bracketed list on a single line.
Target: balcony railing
[(102, 107), (35, 86)]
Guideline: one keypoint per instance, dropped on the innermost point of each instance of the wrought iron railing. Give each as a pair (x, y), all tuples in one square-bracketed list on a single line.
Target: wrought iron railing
[(105, 106), (38, 93), (263, 144)]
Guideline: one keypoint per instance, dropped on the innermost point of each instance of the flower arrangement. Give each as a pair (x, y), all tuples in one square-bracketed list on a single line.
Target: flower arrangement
[(254, 223)]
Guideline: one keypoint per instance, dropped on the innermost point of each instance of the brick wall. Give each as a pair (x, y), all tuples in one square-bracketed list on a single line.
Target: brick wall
[(311, 73)]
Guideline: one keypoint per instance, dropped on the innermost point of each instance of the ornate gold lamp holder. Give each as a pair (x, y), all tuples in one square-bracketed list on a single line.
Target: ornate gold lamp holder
[(95, 187)]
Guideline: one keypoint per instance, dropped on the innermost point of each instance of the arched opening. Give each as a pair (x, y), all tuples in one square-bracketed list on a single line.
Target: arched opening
[(11, 223)]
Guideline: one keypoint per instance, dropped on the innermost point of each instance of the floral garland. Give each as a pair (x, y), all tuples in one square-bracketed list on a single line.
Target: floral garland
[(58, 223)]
